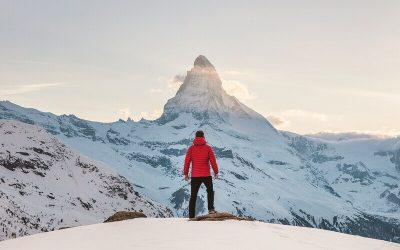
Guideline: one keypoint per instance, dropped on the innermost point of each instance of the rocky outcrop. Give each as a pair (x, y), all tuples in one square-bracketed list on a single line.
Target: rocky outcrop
[(219, 217), (125, 215), (202, 62)]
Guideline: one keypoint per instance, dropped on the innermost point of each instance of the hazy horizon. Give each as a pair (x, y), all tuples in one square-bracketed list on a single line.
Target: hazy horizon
[(307, 66)]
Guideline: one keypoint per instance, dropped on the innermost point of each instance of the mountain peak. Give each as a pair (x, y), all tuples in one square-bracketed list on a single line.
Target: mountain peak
[(202, 62), (202, 95)]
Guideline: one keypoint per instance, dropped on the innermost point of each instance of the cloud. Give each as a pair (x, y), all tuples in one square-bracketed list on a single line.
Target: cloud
[(304, 114), (382, 133), (285, 119), (30, 62), (155, 90), (378, 95), (148, 115), (232, 87), (176, 81), (124, 113), (173, 83), (310, 123), (236, 72), (276, 121), (28, 88), (238, 90), (393, 96)]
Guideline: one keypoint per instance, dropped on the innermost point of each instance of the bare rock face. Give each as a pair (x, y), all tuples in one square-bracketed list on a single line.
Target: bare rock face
[(202, 62), (125, 215), (219, 217)]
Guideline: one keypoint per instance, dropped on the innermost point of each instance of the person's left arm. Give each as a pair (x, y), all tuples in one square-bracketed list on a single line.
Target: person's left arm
[(213, 162)]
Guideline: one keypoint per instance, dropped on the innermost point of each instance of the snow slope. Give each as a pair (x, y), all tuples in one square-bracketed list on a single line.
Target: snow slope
[(349, 186), (45, 186), (183, 234)]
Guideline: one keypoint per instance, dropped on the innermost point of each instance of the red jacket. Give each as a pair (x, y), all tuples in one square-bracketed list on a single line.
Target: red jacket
[(200, 155)]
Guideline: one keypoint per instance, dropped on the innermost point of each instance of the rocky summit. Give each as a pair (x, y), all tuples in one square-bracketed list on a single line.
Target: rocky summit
[(202, 62)]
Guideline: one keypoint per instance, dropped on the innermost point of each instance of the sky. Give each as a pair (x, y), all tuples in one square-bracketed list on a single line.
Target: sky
[(308, 66)]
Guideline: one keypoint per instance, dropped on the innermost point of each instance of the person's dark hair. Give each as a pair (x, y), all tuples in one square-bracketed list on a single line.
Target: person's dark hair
[(199, 133)]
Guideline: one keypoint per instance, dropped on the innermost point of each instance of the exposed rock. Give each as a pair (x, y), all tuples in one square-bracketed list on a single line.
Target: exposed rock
[(179, 197), (202, 62), (125, 215), (154, 161), (219, 217)]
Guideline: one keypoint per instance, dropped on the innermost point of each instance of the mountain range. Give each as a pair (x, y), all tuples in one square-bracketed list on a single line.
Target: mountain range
[(349, 186)]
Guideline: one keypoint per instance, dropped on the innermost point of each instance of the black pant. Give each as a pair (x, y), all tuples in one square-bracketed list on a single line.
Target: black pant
[(195, 185)]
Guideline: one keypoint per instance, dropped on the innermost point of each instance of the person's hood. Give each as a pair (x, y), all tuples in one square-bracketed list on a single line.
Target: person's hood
[(198, 141)]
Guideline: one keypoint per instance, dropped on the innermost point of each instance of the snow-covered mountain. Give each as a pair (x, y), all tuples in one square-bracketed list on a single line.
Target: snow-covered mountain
[(202, 96), (44, 185), (348, 186), (174, 233)]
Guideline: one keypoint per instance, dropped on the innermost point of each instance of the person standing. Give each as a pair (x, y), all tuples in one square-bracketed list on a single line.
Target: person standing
[(200, 155)]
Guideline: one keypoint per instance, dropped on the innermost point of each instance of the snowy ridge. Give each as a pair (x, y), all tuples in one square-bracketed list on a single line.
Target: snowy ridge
[(182, 234), (348, 186), (45, 186)]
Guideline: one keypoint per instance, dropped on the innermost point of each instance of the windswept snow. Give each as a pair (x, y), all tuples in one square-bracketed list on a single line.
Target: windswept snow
[(178, 234)]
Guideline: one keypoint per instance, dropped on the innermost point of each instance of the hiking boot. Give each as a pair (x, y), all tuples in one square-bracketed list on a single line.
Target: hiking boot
[(212, 211)]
